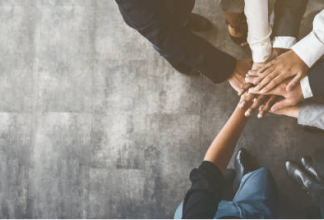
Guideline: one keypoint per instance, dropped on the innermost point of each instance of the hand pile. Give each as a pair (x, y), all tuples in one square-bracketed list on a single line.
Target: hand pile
[(270, 86)]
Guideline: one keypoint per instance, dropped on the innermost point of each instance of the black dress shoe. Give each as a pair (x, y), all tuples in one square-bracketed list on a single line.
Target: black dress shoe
[(241, 166), (306, 180), (229, 176), (308, 165), (197, 22)]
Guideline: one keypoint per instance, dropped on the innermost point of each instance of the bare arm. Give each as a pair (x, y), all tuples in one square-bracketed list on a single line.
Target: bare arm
[(222, 148)]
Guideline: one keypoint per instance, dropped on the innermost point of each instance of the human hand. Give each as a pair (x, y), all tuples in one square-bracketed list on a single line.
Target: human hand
[(277, 52), (284, 66), (237, 78), (292, 111), (251, 102), (290, 98)]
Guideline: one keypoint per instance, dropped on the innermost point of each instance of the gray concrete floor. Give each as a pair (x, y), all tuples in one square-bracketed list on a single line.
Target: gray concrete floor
[(94, 124)]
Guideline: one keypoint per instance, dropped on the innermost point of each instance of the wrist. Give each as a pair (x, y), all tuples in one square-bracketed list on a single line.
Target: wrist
[(278, 51), (292, 111)]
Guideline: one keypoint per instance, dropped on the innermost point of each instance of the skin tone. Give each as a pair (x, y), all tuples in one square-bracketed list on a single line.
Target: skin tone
[(259, 101), (222, 148), (292, 111), (284, 66), (237, 79), (290, 98)]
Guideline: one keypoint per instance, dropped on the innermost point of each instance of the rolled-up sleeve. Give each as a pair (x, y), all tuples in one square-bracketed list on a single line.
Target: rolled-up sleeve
[(203, 197), (259, 33)]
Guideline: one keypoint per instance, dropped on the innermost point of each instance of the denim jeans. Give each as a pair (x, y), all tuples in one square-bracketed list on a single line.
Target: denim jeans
[(255, 198)]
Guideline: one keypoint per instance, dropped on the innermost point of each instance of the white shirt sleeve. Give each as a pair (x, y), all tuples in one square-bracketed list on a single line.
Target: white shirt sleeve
[(311, 47), (259, 29), (305, 87), (285, 42)]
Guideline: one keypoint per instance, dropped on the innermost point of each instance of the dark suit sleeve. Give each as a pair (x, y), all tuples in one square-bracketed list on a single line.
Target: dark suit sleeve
[(203, 197), (177, 43), (316, 78), (288, 15)]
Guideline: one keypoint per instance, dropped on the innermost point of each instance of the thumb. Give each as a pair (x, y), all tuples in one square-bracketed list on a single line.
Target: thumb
[(281, 104), (293, 83)]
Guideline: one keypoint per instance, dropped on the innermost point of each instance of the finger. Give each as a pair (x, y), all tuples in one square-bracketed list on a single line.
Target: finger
[(262, 76), (275, 82), (293, 82), (266, 66), (281, 104), (266, 81), (246, 100), (245, 88), (252, 91), (256, 103), (253, 73), (251, 79), (265, 108)]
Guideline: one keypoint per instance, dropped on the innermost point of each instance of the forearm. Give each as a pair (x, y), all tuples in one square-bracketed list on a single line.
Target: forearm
[(222, 148)]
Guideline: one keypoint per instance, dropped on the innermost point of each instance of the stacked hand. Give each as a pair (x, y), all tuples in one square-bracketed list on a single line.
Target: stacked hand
[(271, 86), (273, 73)]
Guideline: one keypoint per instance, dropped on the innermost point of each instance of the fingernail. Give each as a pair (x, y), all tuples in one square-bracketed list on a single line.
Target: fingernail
[(274, 109), (262, 91), (259, 115)]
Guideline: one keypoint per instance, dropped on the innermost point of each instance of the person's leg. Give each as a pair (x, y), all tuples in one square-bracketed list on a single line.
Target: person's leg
[(257, 195), (233, 11)]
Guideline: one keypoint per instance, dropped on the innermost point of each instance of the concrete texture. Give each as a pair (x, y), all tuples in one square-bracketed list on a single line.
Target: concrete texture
[(94, 124)]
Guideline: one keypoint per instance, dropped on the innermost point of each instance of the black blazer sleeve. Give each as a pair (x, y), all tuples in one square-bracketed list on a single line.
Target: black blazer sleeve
[(288, 15), (151, 19), (316, 78)]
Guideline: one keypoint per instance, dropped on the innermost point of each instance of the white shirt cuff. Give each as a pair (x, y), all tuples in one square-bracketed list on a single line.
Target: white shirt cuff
[(309, 49), (261, 52), (284, 42), (305, 87)]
